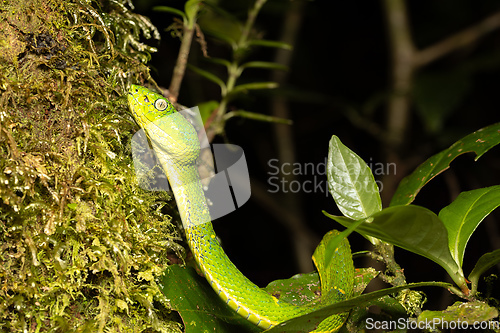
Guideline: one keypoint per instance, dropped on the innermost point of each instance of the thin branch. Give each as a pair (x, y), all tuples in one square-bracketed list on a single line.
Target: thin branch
[(402, 52), (182, 58), (457, 41), (234, 70), (398, 108), (252, 15)]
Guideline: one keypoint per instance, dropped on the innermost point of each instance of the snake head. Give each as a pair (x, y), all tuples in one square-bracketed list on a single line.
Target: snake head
[(172, 136), (148, 106)]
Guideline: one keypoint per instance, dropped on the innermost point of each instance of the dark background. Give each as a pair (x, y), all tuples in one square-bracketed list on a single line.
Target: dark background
[(341, 60)]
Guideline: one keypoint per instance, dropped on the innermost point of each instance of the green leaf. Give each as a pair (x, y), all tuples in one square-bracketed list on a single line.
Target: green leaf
[(467, 313), (220, 61), (304, 289), (264, 64), (209, 76), (231, 40), (351, 182), (362, 277), (484, 263), (310, 321), (412, 228), (253, 86), (300, 289), (171, 11), (221, 24), (270, 43), (256, 116), (198, 305), (478, 142), (464, 214)]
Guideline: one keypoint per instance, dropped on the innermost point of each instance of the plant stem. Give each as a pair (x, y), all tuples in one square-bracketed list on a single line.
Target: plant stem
[(180, 65), (386, 252), (459, 40), (233, 70), (252, 15)]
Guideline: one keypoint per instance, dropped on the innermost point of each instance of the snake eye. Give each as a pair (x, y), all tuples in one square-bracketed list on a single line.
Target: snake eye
[(161, 104)]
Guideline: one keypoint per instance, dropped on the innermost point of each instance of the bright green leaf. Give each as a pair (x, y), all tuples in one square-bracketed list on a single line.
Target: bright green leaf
[(351, 182), (198, 305), (478, 142), (464, 214), (413, 228)]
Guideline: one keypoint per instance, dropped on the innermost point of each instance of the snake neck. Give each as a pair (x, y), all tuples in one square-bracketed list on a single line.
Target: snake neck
[(188, 191)]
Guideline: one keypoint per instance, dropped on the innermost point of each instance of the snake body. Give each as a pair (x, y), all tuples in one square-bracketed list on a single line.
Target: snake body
[(175, 143)]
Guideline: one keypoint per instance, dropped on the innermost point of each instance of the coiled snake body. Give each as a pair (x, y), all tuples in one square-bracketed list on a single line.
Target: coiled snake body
[(175, 143)]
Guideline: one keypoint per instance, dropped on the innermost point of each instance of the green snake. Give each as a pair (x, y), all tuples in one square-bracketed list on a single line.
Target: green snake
[(175, 143)]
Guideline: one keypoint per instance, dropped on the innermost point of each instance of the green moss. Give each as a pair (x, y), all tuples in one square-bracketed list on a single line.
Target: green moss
[(81, 245)]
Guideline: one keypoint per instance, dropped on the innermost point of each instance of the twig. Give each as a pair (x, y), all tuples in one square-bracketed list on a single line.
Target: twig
[(233, 69), (402, 51), (457, 41), (180, 65), (252, 15)]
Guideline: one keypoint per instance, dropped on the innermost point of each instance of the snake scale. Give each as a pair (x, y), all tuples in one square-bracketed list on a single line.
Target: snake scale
[(175, 143)]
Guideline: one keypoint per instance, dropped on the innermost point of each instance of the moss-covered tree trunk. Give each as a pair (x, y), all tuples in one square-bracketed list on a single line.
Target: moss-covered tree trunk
[(81, 244)]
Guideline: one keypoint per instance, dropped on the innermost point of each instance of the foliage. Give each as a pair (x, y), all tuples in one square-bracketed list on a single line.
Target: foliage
[(81, 245), (441, 238), (242, 39)]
